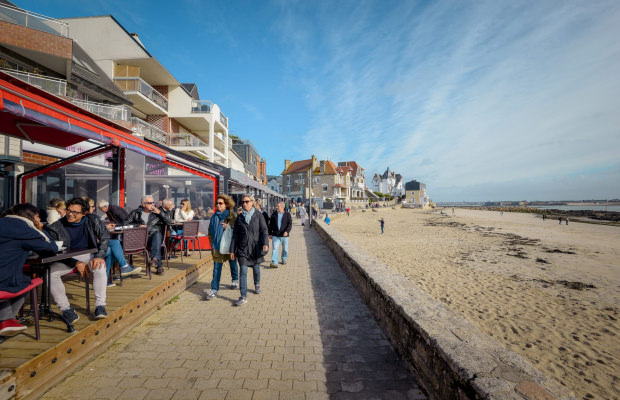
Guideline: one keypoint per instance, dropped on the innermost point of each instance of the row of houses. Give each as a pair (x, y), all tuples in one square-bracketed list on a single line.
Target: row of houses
[(96, 65)]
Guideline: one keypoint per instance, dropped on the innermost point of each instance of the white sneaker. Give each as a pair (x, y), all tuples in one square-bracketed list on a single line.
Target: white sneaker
[(234, 285), (241, 301), (210, 295)]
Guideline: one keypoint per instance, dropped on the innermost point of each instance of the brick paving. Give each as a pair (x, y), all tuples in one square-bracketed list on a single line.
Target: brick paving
[(308, 335)]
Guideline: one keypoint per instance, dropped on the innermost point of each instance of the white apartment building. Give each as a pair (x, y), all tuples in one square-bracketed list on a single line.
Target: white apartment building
[(164, 110), (389, 183)]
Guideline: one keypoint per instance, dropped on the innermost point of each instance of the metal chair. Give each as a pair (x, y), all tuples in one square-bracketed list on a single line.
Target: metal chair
[(190, 232), (135, 241), (164, 247), (34, 304)]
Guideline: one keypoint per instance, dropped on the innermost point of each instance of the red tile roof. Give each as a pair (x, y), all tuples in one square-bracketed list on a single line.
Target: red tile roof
[(330, 168), (298, 166)]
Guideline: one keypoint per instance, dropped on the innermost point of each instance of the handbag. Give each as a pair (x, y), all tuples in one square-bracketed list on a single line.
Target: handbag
[(225, 240)]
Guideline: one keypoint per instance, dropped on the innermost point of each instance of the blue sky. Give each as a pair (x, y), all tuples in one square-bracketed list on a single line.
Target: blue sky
[(480, 100)]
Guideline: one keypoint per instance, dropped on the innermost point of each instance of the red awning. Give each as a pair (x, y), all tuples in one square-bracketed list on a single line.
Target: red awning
[(32, 114)]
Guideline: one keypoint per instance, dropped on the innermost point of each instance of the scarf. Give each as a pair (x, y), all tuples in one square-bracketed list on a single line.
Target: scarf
[(216, 229), (30, 224), (248, 215)]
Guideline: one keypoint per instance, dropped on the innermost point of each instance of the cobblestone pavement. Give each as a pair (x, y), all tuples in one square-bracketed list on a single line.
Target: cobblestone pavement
[(308, 335)]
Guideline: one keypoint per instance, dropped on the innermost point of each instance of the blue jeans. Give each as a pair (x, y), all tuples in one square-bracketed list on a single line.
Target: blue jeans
[(154, 244), (276, 240), (243, 278), (115, 252), (217, 274)]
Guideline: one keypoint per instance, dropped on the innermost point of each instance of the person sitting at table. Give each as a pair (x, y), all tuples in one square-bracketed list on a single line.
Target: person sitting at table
[(80, 230), (91, 205), (20, 232), (151, 217), (182, 214), (116, 215), (56, 209)]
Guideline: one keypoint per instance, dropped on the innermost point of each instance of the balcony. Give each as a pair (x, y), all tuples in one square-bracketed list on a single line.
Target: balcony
[(223, 119), (111, 112), (33, 20), (144, 96), (186, 141), (201, 106), (148, 131), (57, 87), (219, 145)]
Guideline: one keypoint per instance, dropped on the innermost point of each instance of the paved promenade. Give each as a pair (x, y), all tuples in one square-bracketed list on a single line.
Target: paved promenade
[(308, 335)]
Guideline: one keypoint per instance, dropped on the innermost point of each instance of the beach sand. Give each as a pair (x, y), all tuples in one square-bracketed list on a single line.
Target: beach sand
[(548, 292)]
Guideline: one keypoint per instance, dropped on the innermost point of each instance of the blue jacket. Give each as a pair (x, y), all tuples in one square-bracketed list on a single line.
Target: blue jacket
[(17, 238)]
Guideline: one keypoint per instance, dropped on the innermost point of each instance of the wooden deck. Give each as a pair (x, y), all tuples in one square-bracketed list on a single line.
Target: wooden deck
[(28, 366)]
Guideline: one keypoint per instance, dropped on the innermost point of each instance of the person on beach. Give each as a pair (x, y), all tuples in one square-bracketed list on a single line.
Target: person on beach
[(280, 225), (348, 211), (382, 222), (327, 219), (566, 220), (560, 220), (224, 217), (543, 217), (249, 244)]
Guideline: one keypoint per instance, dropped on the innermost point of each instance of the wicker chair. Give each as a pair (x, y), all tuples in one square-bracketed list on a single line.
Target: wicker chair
[(190, 232), (135, 242)]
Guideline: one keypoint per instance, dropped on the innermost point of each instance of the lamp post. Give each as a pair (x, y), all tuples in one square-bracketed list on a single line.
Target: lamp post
[(310, 196)]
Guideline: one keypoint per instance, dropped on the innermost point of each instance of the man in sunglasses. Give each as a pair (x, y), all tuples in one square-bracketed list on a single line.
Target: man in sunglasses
[(150, 216), (79, 229)]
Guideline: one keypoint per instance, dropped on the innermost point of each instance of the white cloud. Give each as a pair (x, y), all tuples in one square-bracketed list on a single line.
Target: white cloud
[(462, 95)]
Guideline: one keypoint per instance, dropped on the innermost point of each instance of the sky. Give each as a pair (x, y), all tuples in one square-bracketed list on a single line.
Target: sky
[(479, 100)]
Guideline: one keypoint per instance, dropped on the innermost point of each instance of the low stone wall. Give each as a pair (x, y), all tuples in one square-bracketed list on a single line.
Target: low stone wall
[(449, 356)]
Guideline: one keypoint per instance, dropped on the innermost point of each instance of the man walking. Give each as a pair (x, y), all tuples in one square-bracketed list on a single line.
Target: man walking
[(302, 213), (155, 220), (280, 225)]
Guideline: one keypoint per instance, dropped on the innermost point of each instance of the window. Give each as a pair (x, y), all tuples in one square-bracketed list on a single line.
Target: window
[(324, 188)]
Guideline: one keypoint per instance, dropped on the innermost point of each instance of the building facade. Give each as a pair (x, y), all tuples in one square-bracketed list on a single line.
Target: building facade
[(415, 194), (389, 183)]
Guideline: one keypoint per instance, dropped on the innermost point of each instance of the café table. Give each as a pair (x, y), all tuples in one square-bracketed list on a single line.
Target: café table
[(43, 263)]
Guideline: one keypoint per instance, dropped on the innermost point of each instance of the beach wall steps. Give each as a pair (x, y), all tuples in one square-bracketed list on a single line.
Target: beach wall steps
[(453, 359)]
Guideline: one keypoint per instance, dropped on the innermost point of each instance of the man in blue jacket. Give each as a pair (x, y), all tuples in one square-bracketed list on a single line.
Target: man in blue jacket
[(280, 225)]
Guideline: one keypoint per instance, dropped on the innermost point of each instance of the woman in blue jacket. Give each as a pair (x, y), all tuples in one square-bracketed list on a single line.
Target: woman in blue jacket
[(20, 232)]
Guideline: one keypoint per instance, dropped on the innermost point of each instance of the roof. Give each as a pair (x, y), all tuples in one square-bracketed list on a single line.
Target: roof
[(191, 89), (354, 166), (298, 166), (344, 170), (87, 69), (399, 178), (330, 168), (387, 173), (414, 185)]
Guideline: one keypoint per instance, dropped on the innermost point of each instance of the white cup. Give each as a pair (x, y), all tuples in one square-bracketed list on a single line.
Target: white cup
[(59, 243)]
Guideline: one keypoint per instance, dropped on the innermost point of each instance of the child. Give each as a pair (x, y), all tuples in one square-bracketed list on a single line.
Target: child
[(382, 224), (327, 219)]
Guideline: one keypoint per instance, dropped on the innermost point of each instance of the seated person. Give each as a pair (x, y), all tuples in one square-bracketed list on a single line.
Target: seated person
[(56, 209), (183, 214), (20, 232), (151, 217), (116, 215), (79, 229)]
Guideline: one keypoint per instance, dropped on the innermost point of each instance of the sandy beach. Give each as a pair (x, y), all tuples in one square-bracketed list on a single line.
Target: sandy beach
[(546, 291)]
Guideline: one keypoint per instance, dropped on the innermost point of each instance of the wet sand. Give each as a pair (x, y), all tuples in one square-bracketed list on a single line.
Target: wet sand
[(546, 291)]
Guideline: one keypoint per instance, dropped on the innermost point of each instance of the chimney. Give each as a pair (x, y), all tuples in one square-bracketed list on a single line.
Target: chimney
[(322, 167), (287, 163), (314, 162)]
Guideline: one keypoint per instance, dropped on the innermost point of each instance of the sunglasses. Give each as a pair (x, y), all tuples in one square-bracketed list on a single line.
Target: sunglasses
[(149, 202), (246, 201), (222, 203)]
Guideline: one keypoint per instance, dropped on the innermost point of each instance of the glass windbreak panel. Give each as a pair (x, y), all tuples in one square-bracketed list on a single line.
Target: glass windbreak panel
[(163, 181)]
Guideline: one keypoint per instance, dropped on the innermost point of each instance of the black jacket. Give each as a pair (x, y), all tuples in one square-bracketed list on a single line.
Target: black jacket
[(156, 222), (116, 214), (98, 236), (248, 239), (287, 224)]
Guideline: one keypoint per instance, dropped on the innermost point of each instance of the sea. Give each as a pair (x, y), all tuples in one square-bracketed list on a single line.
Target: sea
[(603, 207)]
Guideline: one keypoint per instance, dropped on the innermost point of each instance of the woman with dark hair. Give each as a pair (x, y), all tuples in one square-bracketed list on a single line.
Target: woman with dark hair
[(20, 232), (223, 218)]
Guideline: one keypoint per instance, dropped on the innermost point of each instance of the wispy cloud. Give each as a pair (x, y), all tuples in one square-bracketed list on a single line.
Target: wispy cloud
[(461, 95)]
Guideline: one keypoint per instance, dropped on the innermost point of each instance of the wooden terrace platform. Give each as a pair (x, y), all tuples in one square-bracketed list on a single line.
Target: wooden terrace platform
[(28, 367)]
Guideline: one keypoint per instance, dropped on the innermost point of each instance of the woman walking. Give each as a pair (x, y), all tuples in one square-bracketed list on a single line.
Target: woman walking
[(223, 218), (250, 243)]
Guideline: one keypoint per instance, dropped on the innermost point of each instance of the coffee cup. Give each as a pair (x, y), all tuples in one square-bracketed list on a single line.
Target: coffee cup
[(59, 243)]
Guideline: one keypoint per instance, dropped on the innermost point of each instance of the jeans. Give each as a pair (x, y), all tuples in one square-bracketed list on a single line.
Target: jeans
[(57, 287), (115, 252), (10, 308), (276, 240), (217, 274), (243, 278), (154, 244)]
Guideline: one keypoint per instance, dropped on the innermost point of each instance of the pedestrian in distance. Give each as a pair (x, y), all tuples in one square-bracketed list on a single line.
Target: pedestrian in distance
[(560, 220), (327, 219), (249, 245), (302, 213), (280, 225), (566, 220), (223, 218), (348, 211), (543, 217), (382, 222)]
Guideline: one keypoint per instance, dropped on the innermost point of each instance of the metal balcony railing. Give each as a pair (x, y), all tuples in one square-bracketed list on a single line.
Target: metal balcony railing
[(33, 20), (202, 106), (223, 119), (137, 84), (57, 87), (185, 140), (113, 113), (148, 131)]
